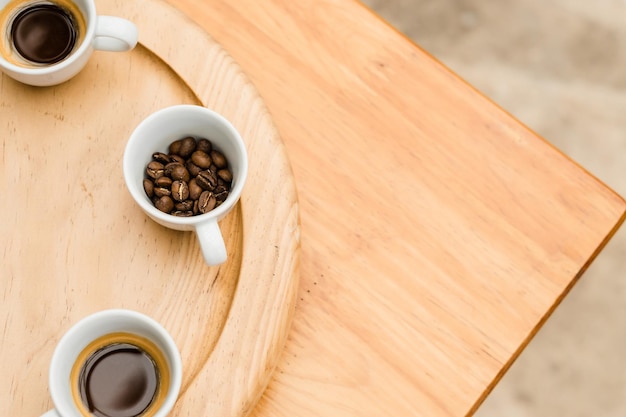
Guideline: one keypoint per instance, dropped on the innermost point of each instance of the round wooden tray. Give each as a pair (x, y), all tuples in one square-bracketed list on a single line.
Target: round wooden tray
[(74, 242)]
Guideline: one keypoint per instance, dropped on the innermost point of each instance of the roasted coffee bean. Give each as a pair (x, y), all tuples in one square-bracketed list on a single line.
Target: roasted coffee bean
[(148, 187), (177, 158), (161, 157), (221, 193), (194, 190), (182, 213), (201, 159), (180, 190), (207, 180), (186, 205), (204, 145), (162, 191), (192, 179), (167, 169), (175, 147), (187, 146), (218, 159), (163, 181), (192, 168), (177, 171), (165, 204), (154, 169), (225, 174), (206, 202)]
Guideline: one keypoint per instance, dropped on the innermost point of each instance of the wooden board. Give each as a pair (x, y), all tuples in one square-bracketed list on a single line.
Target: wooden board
[(74, 242), (439, 233)]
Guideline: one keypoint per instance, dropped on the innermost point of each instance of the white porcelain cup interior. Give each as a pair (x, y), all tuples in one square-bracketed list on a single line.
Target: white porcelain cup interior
[(106, 33), (91, 328), (154, 134)]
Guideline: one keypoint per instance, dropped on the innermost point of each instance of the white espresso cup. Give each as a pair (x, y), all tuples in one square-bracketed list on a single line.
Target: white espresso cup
[(154, 134), (118, 362), (47, 42)]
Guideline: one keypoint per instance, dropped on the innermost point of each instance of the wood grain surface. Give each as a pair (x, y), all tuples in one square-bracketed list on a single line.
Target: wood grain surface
[(74, 242), (438, 232)]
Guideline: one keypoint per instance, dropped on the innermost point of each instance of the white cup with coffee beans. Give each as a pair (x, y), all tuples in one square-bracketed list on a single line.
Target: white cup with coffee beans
[(186, 167), (115, 362), (47, 42)]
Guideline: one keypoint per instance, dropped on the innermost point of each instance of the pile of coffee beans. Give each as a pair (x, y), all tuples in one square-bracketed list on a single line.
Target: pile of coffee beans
[(191, 179)]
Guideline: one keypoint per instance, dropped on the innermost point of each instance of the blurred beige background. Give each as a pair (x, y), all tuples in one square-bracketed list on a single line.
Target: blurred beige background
[(559, 66)]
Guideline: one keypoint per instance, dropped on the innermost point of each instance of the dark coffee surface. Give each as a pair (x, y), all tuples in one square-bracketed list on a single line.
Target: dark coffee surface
[(119, 380), (44, 33)]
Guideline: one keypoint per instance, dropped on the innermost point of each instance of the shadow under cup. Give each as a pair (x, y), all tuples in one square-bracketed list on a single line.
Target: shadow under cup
[(38, 33)]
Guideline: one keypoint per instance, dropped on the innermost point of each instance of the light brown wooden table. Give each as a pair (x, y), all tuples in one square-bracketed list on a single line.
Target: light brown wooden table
[(438, 232)]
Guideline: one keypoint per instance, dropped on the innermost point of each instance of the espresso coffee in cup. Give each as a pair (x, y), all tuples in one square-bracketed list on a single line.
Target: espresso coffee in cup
[(120, 375), (40, 32), (47, 42), (115, 363)]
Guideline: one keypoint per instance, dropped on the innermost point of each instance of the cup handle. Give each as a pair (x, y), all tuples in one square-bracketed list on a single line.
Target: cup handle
[(51, 413), (211, 242), (114, 34)]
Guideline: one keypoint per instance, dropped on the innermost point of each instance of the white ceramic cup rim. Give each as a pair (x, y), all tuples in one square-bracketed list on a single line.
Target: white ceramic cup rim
[(82, 333), (90, 22)]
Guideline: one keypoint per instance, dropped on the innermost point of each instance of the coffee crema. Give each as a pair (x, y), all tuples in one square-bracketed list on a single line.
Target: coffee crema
[(40, 33), (120, 375)]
